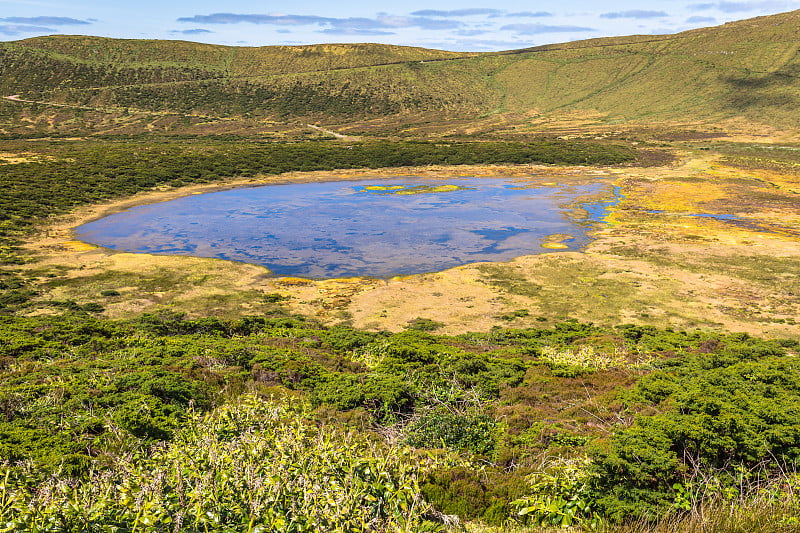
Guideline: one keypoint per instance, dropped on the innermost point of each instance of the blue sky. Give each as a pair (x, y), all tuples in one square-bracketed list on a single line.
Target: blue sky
[(480, 25)]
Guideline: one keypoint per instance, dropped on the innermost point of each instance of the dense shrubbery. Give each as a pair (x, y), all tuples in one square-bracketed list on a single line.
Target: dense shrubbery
[(241, 97), (445, 427), (261, 465), (708, 413), (29, 70), (722, 421)]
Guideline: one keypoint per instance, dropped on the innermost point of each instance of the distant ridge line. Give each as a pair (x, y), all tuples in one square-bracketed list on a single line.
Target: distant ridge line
[(743, 72)]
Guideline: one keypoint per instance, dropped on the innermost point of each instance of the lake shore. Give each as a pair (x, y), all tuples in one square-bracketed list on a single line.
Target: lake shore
[(86, 214), (367, 228), (641, 267)]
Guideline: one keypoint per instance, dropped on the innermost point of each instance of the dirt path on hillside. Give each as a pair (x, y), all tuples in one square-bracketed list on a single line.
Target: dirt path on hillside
[(16, 98), (335, 134)]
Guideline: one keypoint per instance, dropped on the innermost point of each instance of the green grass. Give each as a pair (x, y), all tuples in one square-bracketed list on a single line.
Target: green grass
[(740, 70), (509, 280)]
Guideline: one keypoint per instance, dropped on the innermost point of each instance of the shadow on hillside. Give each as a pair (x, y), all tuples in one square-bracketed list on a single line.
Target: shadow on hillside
[(779, 89)]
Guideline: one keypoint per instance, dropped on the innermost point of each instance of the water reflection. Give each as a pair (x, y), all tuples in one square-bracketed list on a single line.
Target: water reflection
[(375, 228)]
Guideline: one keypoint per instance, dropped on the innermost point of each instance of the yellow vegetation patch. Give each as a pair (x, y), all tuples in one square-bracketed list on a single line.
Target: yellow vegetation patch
[(432, 189), (683, 196), (454, 297), (383, 187), (556, 241), (414, 189), (78, 246), (9, 158), (588, 356)]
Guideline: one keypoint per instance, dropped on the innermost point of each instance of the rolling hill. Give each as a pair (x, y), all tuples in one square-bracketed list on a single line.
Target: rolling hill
[(646, 382), (741, 71)]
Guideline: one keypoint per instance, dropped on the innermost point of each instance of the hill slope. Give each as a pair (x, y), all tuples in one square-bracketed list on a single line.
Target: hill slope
[(744, 70), (748, 68)]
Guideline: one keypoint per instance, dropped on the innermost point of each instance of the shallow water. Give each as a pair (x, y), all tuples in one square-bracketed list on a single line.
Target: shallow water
[(358, 228)]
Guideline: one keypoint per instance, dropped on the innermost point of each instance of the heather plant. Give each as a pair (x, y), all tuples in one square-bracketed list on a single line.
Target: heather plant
[(460, 428)]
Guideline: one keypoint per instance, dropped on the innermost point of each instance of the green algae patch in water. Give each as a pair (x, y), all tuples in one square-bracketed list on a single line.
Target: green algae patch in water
[(412, 189), (382, 188), (401, 226)]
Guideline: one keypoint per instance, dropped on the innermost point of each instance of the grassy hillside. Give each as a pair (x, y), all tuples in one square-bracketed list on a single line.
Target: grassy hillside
[(355, 92), (58, 62), (234, 61), (742, 70), (183, 77), (747, 68)]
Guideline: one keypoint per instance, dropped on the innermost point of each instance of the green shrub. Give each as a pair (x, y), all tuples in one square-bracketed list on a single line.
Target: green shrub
[(255, 466), (385, 397), (475, 493), (445, 428), (562, 495), (423, 324), (719, 419)]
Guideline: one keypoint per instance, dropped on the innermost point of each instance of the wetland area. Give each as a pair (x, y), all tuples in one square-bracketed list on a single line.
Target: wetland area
[(649, 261)]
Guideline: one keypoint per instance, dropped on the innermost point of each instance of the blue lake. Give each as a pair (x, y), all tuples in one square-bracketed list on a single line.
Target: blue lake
[(379, 228)]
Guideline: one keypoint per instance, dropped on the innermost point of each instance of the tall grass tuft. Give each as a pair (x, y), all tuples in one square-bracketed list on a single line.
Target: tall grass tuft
[(775, 509)]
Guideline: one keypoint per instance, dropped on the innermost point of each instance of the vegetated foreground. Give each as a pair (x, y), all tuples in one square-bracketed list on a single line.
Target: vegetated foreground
[(648, 383), (280, 422), (334, 428)]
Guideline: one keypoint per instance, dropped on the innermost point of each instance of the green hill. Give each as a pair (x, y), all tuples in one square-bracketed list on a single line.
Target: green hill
[(227, 60), (648, 382), (745, 70)]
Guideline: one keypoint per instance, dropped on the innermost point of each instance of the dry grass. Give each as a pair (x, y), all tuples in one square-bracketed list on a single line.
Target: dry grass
[(763, 513), (664, 269), (755, 515)]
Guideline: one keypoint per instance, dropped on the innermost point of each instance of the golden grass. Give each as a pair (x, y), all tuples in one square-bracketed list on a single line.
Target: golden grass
[(78, 246), (647, 268), (8, 158)]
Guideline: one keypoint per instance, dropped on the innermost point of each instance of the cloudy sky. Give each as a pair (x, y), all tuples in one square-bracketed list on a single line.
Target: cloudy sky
[(463, 25)]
